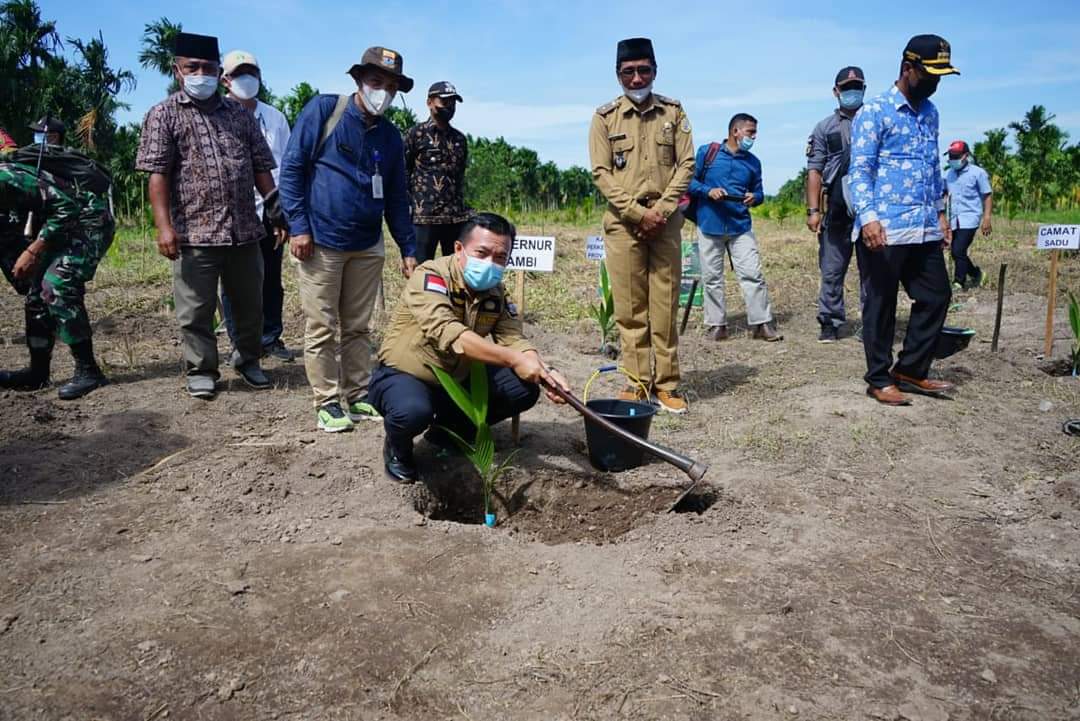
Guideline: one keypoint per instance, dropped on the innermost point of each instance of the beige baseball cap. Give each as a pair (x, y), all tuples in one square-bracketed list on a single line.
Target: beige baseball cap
[(236, 58)]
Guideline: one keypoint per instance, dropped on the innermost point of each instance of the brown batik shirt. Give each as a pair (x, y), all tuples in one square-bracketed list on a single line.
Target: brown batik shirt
[(211, 158), (435, 162)]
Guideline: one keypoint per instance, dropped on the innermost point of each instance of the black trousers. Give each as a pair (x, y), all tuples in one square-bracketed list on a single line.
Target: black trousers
[(921, 270), (409, 406), (430, 238), (965, 269)]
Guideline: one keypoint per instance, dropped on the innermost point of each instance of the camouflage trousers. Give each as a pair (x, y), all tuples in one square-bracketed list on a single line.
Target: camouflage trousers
[(55, 294)]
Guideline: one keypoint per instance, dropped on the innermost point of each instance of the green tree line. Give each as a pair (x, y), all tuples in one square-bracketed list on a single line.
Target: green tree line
[(73, 80)]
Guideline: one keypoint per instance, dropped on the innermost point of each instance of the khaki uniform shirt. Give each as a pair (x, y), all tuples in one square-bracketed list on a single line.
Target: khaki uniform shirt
[(644, 155), (436, 307)]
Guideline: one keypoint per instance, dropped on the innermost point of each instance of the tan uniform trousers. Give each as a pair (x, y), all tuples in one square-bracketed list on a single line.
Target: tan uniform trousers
[(645, 277), (337, 292)]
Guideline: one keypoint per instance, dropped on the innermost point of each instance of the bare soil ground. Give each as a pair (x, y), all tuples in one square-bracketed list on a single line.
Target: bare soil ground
[(164, 557)]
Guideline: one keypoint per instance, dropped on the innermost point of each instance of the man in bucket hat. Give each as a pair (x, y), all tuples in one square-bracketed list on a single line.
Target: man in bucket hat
[(342, 174)]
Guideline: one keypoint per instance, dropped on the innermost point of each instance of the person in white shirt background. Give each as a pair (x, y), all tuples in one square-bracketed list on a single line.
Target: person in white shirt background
[(242, 77)]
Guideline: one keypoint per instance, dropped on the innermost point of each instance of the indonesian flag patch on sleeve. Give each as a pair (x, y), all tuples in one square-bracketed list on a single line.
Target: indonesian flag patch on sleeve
[(435, 284)]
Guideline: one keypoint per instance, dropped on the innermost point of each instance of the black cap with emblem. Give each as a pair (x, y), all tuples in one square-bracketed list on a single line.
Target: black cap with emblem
[(932, 52), (850, 74), (444, 89), (634, 49), (201, 47), (48, 124)]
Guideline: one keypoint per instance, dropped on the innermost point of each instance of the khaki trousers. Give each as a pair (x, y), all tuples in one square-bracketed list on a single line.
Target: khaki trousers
[(337, 292), (645, 277)]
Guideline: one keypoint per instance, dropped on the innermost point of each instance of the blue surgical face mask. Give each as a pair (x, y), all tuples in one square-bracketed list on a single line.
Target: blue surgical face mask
[(957, 163), (745, 143), (39, 138), (482, 274), (851, 99), (200, 87)]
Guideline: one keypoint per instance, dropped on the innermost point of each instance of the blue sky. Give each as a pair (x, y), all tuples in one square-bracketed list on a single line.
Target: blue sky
[(534, 72)]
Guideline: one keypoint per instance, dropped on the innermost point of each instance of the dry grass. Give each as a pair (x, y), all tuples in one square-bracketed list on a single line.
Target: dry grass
[(561, 299)]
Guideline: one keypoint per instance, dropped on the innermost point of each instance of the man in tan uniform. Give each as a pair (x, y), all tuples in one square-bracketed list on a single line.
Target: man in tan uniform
[(453, 311), (642, 159)]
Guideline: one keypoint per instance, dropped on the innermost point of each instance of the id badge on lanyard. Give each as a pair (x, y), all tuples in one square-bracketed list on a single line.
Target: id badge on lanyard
[(376, 179)]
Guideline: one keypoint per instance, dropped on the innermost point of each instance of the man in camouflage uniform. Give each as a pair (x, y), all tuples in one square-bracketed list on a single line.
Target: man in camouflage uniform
[(642, 159), (72, 230), (435, 158)]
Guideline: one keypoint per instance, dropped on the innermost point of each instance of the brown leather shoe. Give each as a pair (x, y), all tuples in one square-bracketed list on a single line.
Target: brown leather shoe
[(633, 393), (926, 386), (717, 332), (889, 395), (767, 332)]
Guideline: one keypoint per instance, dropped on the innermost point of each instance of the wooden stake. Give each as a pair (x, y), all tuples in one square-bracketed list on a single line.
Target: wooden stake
[(519, 301), (1000, 300), (1051, 300), (689, 305)]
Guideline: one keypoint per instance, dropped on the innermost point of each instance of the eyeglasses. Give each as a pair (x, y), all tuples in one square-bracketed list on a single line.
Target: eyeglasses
[(644, 71)]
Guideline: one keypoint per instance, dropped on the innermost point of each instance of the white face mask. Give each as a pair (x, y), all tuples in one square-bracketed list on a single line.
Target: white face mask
[(639, 95), (244, 87), (376, 101), (200, 87)]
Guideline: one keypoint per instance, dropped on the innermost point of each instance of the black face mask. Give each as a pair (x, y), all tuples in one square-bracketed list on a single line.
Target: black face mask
[(926, 87), (444, 114)]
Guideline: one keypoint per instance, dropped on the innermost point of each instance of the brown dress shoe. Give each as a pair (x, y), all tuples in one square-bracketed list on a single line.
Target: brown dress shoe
[(889, 395), (767, 332), (926, 386), (717, 332)]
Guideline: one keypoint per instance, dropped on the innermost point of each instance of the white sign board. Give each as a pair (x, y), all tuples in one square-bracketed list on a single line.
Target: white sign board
[(594, 247), (534, 253), (1058, 237)]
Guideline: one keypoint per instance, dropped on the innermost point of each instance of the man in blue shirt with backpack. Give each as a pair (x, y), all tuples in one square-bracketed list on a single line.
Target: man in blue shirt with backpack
[(726, 184), (343, 172)]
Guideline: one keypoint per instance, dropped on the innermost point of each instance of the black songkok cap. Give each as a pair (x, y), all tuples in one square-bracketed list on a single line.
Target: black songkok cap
[(203, 47), (634, 49)]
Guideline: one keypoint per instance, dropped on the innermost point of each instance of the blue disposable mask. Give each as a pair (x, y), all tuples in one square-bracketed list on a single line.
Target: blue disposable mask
[(956, 163), (39, 138), (200, 87), (851, 99), (745, 143), (482, 274)]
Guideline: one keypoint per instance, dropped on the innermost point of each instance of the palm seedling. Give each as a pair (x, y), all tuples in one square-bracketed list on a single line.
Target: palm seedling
[(604, 311), (481, 452)]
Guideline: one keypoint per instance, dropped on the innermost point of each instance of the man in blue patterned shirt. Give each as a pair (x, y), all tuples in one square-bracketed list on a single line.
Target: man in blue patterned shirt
[(897, 192)]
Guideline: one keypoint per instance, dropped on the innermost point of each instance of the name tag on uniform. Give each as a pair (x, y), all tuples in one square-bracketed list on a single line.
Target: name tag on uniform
[(376, 186)]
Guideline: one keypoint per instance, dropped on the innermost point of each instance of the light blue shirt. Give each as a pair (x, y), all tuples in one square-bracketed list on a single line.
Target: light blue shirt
[(895, 175), (967, 188)]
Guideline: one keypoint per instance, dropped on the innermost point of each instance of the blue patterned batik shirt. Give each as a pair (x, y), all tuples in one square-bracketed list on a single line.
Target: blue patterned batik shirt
[(895, 175)]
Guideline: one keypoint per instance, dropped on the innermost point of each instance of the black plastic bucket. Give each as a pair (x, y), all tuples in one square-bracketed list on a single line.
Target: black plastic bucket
[(952, 340), (607, 451)]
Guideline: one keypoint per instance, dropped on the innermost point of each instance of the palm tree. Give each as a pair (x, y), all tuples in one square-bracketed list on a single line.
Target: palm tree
[(158, 41), (101, 84), (30, 41)]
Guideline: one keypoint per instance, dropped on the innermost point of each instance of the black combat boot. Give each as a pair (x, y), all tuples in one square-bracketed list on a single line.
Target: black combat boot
[(39, 341), (33, 378), (87, 374)]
